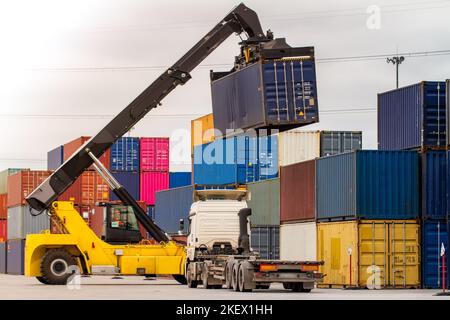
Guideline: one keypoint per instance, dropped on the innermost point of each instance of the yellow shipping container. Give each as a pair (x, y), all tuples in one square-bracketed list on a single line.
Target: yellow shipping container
[(384, 253), (202, 130)]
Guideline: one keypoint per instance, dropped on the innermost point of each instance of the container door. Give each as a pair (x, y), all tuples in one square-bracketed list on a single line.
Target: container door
[(433, 95), (277, 92), (404, 253)]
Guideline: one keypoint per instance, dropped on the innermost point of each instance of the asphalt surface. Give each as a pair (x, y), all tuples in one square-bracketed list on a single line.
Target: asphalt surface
[(20, 287)]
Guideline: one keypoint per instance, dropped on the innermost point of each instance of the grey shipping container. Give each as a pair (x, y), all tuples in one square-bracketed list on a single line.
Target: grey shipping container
[(3, 256), (21, 222), (266, 241), (335, 142), (271, 94), (4, 178), (412, 117), (171, 206), (368, 184), (15, 256), (264, 200)]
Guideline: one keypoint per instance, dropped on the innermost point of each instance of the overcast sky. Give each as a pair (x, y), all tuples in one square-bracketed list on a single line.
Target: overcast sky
[(68, 66)]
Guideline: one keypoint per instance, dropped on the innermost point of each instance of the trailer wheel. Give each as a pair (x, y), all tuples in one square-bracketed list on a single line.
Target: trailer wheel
[(234, 276), (205, 277), (55, 267), (229, 275), (42, 280), (242, 279)]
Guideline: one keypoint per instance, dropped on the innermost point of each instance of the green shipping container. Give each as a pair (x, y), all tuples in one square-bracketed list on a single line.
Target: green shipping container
[(4, 178), (264, 200)]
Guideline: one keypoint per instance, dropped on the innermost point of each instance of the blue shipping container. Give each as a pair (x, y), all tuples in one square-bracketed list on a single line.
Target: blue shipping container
[(447, 109), (3, 255), (368, 184), (237, 160), (434, 185), (125, 154), (15, 256), (412, 117), (179, 179), (130, 180), (273, 94), (171, 206), (434, 233), (55, 158)]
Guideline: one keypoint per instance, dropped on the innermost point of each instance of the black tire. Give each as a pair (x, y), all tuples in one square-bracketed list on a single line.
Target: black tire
[(298, 287), (234, 276), (190, 282), (42, 280), (54, 267), (241, 279), (228, 275), (181, 279), (287, 285)]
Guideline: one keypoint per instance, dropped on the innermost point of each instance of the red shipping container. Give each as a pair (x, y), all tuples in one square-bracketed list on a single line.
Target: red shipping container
[(88, 189), (3, 206), (298, 192), (151, 182), (154, 154), (3, 230), (72, 146), (21, 184)]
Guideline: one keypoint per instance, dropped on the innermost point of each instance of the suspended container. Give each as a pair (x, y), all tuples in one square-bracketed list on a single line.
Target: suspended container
[(384, 253), (368, 184), (298, 241), (236, 160), (412, 117), (298, 192), (202, 131), (264, 200), (22, 183), (276, 94), (434, 185), (154, 154), (266, 241), (55, 158), (124, 155), (152, 182), (434, 234)]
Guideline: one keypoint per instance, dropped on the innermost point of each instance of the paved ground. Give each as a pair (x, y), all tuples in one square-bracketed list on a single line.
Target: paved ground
[(20, 287)]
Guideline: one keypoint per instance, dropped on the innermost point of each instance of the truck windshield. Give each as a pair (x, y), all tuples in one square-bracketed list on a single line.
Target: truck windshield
[(122, 217)]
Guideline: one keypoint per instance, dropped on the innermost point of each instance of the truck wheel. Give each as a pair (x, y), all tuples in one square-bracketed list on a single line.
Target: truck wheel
[(234, 276), (181, 279), (287, 286), (298, 287), (190, 282), (55, 266), (205, 276), (42, 280), (242, 279), (229, 275)]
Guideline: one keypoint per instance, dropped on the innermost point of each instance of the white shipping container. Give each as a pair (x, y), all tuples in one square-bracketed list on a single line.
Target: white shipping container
[(21, 222), (298, 241), (297, 146)]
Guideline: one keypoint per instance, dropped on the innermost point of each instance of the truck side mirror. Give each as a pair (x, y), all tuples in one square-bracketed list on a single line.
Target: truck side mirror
[(181, 226)]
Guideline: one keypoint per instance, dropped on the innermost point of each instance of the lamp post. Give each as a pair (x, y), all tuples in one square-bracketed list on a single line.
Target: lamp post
[(396, 61)]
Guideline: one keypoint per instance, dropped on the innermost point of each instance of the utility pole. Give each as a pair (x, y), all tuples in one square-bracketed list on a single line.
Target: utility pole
[(396, 61)]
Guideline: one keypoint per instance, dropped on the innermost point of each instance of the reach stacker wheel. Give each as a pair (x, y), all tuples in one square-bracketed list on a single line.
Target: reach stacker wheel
[(56, 267)]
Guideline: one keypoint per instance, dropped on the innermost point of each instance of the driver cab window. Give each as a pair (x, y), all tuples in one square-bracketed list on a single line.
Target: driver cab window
[(122, 217)]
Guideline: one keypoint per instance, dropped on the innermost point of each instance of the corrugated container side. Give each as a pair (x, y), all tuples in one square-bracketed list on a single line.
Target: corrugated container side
[(298, 241), (264, 200), (434, 185), (3, 230), (297, 146), (16, 257), (154, 154), (391, 245), (21, 222), (447, 109), (412, 117), (130, 180), (266, 241), (3, 255), (73, 146), (202, 130), (3, 206), (179, 179), (276, 94), (173, 205), (23, 183), (368, 184), (336, 142), (4, 178), (151, 182), (88, 189), (97, 220), (124, 154), (55, 158), (298, 192), (434, 234)]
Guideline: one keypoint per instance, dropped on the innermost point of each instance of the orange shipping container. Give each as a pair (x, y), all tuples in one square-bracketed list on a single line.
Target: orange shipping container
[(202, 130), (72, 146), (88, 189), (21, 184), (3, 207)]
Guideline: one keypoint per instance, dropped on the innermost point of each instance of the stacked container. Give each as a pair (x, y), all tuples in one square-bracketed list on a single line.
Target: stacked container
[(179, 179), (154, 167)]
